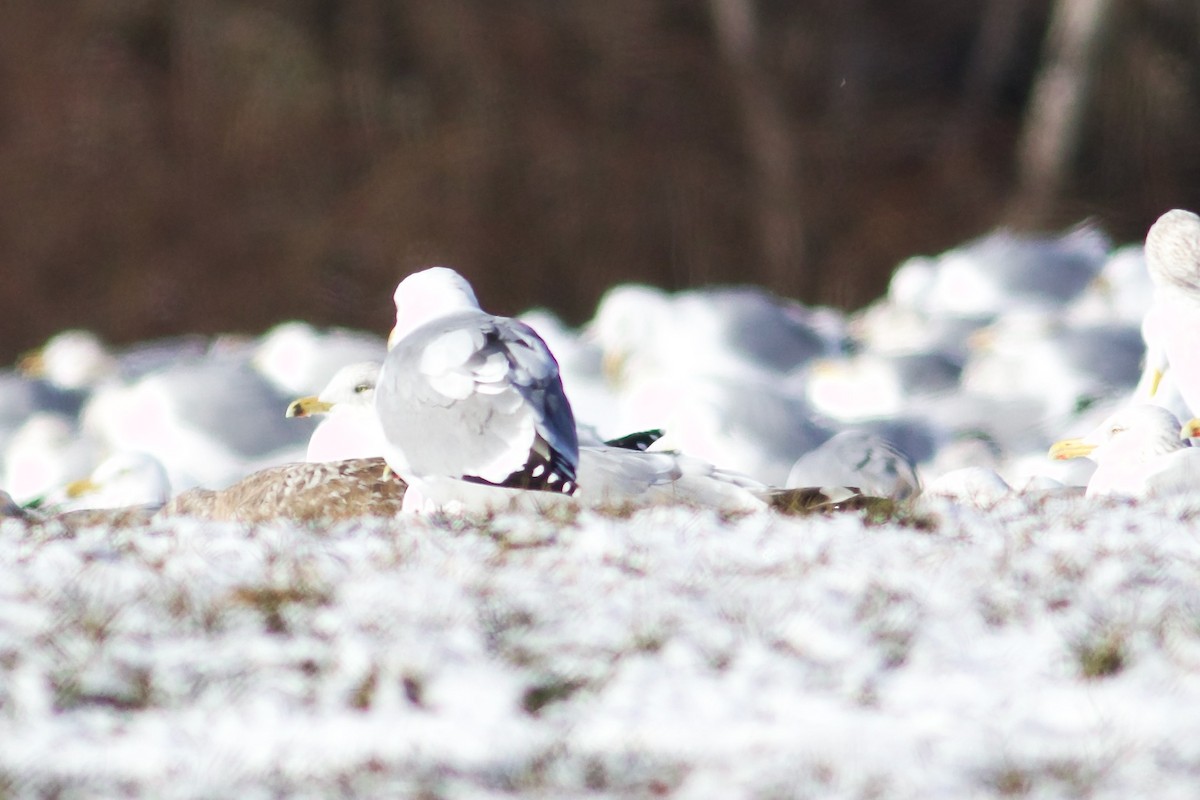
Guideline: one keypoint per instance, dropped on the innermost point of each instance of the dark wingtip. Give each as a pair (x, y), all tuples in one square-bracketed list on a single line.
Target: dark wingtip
[(639, 441)]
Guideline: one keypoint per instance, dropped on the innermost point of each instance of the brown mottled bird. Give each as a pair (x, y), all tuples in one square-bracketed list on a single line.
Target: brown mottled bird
[(301, 492)]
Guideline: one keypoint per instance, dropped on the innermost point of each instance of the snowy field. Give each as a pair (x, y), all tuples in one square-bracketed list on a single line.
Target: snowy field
[(1043, 647), (1023, 643)]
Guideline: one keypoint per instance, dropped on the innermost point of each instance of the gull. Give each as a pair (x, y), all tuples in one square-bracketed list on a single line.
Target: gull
[(992, 275), (298, 358), (728, 331), (1139, 451), (614, 474), (879, 384), (349, 427), (300, 492), (9, 509), (981, 486), (202, 409), (1173, 261), (720, 369), (861, 459), (44, 453), (465, 396), (123, 480)]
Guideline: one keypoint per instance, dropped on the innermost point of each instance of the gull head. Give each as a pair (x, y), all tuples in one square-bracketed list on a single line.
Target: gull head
[(427, 295), (1173, 250), (629, 323), (124, 479), (1133, 434), (73, 359), (352, 385)]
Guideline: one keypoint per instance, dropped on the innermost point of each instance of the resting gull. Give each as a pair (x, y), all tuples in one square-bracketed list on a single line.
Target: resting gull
[(1139, 451), (298, 358), (123, 480), (301, 492), (202, 409), (860, 459), (467, 396), (349, 427), (614, 474)]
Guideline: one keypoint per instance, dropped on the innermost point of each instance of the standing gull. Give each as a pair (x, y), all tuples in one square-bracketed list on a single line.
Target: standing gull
[(1173, 261), (1139, 451), (467, 396)]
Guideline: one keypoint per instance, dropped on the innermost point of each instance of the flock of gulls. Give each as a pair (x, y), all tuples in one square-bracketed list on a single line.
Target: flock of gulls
[(962, 382)]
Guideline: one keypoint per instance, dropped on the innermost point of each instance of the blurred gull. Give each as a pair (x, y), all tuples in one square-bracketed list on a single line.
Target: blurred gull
[(9, 509), (1000, 272), (752, 426), (981, 486), (298, 358), (1034, 355), (73, 359), (123, 480), (209, 420), (720, 370), (203, 411), (859, 459), (721, 331), (78, 360), (1139, 451), (1121, 292), (46, 452), (873, 384), (467, 396)]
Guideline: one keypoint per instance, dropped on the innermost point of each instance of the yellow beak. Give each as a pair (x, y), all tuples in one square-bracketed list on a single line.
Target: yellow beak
[(1155, 381), (307, 406), (1070, 448), (612, 366), (81, 487), (1190, 429)]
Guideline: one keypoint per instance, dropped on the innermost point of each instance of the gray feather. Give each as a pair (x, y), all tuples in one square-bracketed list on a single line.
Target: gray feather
[(472, 395)]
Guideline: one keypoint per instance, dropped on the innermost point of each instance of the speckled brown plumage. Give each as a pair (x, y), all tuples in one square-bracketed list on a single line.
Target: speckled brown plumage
[(302, 492)]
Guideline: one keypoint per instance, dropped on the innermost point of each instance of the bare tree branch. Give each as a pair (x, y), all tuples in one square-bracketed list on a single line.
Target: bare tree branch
[(1061, 98)]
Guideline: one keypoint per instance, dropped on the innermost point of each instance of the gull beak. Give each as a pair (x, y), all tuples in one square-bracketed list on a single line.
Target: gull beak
[(1191, 429), (32, 364), (1070, 448), (825, 368), (1155, 380), (612, 365), (983, 339), (80, 488), (307, 407)]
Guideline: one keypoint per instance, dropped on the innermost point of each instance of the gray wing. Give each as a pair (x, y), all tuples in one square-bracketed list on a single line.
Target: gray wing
[(479, 397)]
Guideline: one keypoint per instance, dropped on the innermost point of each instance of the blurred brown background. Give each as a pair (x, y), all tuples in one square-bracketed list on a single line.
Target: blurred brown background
[(170, 167)]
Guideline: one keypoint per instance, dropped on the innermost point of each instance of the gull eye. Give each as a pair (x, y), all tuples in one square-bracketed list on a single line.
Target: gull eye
[(1115, 430), (362, 387)]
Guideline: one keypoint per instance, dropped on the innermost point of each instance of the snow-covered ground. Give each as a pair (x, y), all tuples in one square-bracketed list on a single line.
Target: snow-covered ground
[(1045, 647)]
